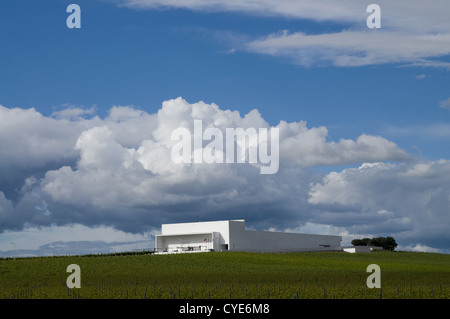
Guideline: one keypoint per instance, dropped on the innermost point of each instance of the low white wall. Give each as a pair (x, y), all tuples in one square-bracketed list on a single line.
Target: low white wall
[(360, 249), (253, 240)]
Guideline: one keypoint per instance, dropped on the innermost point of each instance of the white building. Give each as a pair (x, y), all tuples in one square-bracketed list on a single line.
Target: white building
[(232, 235), (360, 249)]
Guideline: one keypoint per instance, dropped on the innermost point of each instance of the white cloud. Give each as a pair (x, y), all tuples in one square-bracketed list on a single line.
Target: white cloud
[(420, 76), (309, 147), (445, 104), (98, 149), (129, 125), (30, 139), (71, 112), (412, 33), (423, 248), (353, 48), (108, 172), (125, 158), (323, 10), (401, 14)]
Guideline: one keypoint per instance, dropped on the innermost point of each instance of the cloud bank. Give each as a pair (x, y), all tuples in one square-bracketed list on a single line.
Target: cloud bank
[(117, 173)]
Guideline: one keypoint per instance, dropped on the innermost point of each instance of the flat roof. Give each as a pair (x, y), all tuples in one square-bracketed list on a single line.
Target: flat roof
[(208, 221), (186, 234)]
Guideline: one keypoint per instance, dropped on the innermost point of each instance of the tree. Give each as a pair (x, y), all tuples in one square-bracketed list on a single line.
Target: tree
[(388, 243), (361, 242)]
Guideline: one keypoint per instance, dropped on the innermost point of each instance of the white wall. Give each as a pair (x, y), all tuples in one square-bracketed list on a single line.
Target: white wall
[(360, 249), (222, 227), (251, 240)]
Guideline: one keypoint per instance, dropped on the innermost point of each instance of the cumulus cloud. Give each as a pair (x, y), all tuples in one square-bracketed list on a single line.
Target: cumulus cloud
[(309, 147), (109, 173), (30, 139), (117, 172), (411, 199), (31, 143)]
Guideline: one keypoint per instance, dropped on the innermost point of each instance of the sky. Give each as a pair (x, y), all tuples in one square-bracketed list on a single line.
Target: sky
[(86, 116)]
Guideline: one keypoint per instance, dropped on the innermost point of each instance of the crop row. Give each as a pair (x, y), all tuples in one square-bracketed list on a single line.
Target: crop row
[(257, 290)]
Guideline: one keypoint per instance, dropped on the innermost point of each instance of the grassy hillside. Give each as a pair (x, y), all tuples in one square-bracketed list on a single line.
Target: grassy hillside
[(230, 274)]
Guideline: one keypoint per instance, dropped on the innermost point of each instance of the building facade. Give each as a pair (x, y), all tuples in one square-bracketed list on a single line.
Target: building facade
[(232, 235)]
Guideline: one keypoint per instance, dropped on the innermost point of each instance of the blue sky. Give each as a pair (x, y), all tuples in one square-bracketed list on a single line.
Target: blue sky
[(290, 62)]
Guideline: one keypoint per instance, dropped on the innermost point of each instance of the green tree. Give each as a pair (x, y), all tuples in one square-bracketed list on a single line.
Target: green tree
[(361, 242), (388, 243)]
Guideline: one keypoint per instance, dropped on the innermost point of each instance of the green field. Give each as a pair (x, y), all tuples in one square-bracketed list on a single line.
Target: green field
[(230, 275)]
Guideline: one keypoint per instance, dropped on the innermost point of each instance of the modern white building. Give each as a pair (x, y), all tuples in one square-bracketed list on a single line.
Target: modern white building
[(232, 235)]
